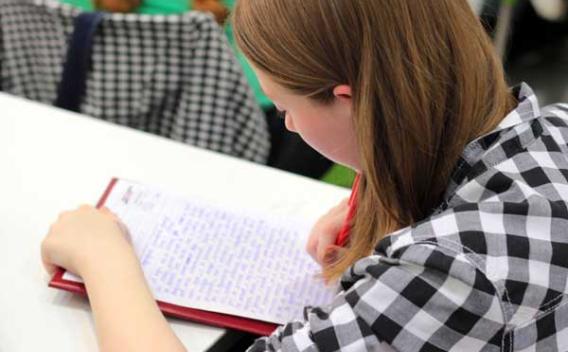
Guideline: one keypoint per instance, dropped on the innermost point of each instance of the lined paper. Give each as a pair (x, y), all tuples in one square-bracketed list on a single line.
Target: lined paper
[(227, 260)]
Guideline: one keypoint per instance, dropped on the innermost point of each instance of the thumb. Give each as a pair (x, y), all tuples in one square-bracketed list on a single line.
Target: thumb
[(326, 241), (46, 261), (118, 221)]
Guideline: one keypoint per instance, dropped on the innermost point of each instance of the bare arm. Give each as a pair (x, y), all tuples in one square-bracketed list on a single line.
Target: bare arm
[(126, 315), (92, 244)]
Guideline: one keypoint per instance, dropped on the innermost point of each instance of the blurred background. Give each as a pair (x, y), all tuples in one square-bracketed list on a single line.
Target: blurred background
[(536, 47)]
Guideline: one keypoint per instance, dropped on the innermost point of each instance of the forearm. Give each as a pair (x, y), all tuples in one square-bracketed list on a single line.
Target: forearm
[(126, 315)]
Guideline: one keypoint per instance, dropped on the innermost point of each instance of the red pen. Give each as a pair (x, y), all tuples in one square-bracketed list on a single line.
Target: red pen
[(346, 229)]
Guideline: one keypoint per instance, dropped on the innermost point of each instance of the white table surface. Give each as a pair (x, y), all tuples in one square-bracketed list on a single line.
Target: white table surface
[(53, 160)]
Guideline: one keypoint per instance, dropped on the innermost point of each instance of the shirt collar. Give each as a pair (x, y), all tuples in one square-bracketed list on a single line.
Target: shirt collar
[(527, 109)]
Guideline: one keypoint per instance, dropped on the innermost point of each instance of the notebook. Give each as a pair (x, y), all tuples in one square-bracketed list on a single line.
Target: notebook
[(226, 266)]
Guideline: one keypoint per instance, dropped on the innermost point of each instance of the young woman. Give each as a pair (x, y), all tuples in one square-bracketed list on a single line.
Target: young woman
[(458, 238)]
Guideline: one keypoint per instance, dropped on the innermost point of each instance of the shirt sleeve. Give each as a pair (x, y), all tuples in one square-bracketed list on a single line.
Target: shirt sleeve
[(397, 305)]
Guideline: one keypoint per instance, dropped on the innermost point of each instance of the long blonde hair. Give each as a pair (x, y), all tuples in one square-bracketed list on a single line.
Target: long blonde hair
[(425, 81)]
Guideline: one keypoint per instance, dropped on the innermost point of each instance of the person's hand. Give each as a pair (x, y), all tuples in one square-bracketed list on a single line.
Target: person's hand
[(93, 244), (83, 238), (325, 231)]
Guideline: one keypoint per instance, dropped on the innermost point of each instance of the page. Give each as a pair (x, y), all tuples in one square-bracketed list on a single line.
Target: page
[(233, 261)]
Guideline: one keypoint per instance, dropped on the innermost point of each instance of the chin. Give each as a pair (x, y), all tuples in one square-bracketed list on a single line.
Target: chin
[(347, 163), (342, 156)]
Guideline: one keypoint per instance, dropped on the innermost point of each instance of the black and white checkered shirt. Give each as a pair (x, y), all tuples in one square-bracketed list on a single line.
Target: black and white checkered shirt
[(487, 272), (175, 76)]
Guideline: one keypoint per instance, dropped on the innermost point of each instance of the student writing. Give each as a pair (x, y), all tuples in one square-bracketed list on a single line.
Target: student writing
[(459, 236)]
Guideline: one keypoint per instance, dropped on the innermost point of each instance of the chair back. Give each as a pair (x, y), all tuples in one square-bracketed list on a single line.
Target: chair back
[(172, 75)]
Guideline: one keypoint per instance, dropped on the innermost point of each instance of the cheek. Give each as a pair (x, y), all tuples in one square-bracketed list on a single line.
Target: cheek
[(289, 123), (318, 133), (335, 141)]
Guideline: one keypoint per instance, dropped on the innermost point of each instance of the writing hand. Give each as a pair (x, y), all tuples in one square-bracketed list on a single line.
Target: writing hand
[(83, 238), (325, 231)]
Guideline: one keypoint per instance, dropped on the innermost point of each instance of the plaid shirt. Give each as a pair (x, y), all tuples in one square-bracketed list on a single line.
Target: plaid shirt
[(488, 271)]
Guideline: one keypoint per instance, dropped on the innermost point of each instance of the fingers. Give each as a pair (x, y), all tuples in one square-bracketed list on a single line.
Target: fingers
[(45, 258), (49, 268), (344, 206), (324, 234), (312, 245), (89, 208), (119, 222), (61, 235), (330, 254), (108, 212), (326, 241), (328, 236), (326, 230)]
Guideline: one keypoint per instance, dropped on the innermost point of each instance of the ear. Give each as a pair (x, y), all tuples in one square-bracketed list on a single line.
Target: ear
[(342, 91)]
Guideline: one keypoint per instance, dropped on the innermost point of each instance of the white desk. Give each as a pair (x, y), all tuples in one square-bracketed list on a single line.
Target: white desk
[(52, 160)]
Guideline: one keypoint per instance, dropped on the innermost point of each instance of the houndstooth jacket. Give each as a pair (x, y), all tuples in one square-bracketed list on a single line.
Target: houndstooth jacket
[(174, 76), (488, 271)]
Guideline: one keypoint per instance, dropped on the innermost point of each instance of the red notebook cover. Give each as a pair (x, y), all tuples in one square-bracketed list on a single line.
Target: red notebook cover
[(200, 316)]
